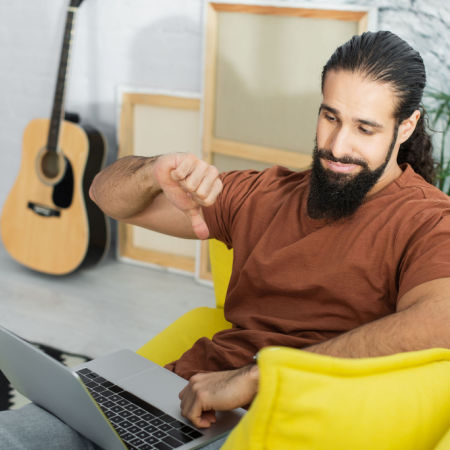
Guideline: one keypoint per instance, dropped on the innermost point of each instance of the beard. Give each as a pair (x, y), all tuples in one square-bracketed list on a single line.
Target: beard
[(336, 195)]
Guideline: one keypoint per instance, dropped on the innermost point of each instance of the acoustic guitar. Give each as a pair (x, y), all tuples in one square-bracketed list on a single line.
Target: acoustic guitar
[(48, 221)]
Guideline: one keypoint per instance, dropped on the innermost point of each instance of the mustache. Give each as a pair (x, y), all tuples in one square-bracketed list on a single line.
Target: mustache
[(327, 154)]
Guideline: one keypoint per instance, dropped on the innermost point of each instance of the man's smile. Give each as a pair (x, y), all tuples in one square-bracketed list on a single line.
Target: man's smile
[(339, 167)]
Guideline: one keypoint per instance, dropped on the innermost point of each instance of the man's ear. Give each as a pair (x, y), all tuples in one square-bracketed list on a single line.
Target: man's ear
[(407, 127)]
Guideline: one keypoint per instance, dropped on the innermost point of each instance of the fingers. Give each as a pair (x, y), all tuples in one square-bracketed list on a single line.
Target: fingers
[(198, 223), (209, 416), (201, 182), (192, 407), (208, 197), (198, 178), (221, 391), (188, 183)]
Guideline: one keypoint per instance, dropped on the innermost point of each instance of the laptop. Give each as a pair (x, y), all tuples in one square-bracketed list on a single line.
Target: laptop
[(118, 401)]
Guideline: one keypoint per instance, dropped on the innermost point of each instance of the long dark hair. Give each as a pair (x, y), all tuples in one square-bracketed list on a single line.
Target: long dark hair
[(383, 56)]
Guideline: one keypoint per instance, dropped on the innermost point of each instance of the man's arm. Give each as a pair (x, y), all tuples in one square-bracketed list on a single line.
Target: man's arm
[(162, 193), (422, 321)]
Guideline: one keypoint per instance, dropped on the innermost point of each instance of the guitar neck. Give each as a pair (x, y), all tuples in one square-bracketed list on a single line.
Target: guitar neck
[(58, 99)]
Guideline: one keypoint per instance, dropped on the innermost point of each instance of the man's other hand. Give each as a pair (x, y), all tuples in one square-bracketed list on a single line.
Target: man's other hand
[(188, 183), (217, 391)]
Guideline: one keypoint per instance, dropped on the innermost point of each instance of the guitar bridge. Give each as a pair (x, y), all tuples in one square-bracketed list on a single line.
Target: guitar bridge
[(42, 210)]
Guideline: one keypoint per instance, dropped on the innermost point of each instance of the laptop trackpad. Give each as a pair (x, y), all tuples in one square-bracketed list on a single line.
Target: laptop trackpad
[(159, 387)]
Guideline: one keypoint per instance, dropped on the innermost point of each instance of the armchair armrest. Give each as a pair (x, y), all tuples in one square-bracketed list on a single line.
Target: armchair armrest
[(181, 335)]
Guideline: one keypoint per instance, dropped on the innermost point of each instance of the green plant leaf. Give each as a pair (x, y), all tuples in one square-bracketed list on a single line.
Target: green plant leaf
[(440, 112)]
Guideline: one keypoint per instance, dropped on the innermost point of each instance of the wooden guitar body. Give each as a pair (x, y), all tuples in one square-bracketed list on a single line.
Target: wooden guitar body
[(49, 223)]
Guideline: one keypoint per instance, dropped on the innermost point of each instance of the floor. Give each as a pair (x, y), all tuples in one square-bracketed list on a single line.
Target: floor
[(97, 310)]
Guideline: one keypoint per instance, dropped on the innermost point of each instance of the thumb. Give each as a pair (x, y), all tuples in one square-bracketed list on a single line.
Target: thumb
[(198, 223)]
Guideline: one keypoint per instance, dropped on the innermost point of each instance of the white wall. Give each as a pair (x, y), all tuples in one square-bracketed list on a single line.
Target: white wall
[(147, 43)]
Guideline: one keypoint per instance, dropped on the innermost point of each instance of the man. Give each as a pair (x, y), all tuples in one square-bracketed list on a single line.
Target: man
[(350, 259)]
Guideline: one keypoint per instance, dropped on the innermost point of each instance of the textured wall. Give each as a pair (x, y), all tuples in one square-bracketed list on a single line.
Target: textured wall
[(146, 43)]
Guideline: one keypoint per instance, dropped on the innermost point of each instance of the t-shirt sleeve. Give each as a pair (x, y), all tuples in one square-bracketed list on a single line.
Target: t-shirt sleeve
[(427, 254), (238, 186)]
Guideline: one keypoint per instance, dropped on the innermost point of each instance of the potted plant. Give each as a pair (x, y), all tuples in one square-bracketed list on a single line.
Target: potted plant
[(440, 116)]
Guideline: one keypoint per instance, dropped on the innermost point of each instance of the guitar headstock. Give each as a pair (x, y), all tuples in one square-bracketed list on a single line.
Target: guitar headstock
[(75, 3)]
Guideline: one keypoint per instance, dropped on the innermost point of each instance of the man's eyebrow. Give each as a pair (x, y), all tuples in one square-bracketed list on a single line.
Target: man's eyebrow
[(334, 111), (328, 108), (370, 123)]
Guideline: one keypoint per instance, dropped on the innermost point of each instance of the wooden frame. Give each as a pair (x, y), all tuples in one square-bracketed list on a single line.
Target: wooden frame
[(254, 152), (211, 144), (126, 248)]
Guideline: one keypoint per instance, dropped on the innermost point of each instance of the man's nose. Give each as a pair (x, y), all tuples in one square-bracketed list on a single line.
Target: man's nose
[(341, 145)]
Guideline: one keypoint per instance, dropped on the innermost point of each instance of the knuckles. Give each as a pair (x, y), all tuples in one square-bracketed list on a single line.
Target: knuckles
[(195, 378), (196, 177), (213, 171), (196, 384), (207, 202), (189, 185)]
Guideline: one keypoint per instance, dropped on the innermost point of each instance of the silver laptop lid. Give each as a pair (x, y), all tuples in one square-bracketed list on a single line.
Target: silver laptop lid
[(54, 387)]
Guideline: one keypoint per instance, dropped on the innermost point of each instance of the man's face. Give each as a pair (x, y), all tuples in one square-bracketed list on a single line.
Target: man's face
[(356, 144)]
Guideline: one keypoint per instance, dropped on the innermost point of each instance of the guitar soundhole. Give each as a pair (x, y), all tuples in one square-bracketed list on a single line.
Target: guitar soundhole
[(63, 191), (50, 165)]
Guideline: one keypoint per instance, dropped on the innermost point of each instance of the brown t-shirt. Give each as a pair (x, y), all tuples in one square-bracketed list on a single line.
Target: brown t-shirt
[(298, 281)]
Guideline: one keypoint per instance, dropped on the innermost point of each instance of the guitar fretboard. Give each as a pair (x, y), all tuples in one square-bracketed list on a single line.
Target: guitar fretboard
[(58, 100)]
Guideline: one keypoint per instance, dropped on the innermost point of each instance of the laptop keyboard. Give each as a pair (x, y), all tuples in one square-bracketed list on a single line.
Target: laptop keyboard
[(140, 425)]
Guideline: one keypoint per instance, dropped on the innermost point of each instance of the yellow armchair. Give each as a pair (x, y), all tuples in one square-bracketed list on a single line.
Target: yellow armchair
[(181, 335)]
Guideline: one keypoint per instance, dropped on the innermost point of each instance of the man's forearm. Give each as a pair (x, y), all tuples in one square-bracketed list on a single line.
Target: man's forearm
[(416, 328), (126, 187)]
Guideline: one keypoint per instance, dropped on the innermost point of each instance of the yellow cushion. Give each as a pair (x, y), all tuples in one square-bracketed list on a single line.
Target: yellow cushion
[(221, 264), (444, 443), (309, 401), (181, 335)]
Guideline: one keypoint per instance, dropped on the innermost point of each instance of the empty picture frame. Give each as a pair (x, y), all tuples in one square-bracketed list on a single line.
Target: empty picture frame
[(263, 67), (155, 124)]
